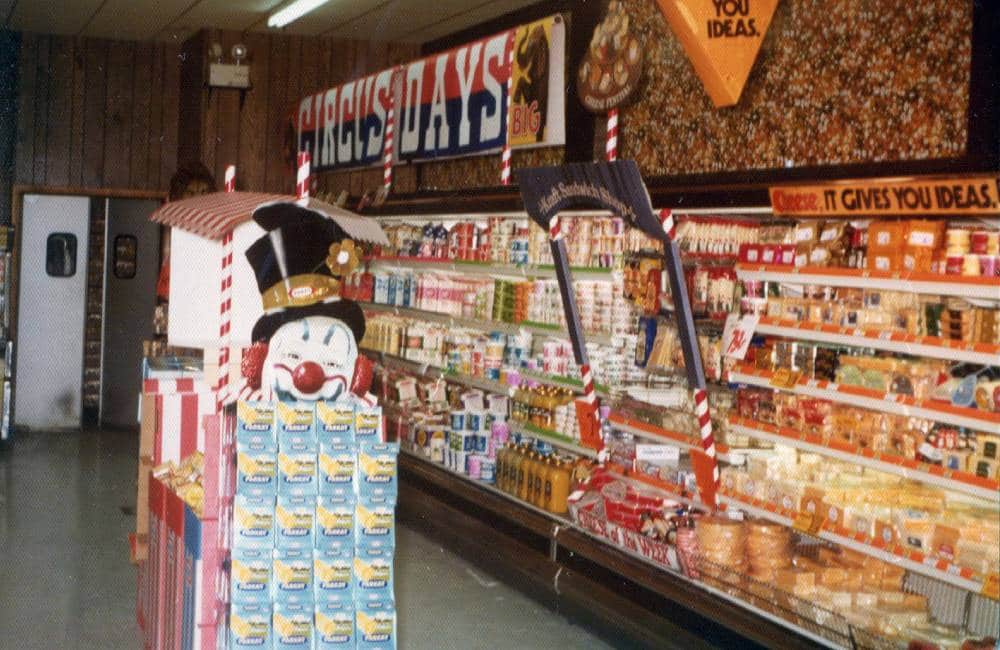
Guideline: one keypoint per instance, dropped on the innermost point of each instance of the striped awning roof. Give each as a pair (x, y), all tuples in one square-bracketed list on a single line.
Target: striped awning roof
[(213, 215)]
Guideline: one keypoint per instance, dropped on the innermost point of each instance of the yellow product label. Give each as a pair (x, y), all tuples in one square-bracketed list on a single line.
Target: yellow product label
[(256, 467), (368, 422), (250, 626), (258, 416), (253, 521), (297, 468), (377, 468), (376, 521), (295, 417), (293, 518), (335, 418), (336, 466), (375, 627)]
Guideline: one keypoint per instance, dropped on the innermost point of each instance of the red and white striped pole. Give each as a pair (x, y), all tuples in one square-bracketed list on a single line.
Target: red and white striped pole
[(611, 137), (302, 176), (225, 303), (387, 149), (505, 156)]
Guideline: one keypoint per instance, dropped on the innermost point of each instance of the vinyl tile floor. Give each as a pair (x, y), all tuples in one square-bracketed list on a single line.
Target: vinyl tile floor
[(67, 505)]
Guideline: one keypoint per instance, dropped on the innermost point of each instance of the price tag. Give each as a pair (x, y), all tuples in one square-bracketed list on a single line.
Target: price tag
[(991, 586), (737, 334)]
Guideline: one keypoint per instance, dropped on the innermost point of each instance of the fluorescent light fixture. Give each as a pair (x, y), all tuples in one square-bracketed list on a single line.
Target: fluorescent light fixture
[(293, 12)]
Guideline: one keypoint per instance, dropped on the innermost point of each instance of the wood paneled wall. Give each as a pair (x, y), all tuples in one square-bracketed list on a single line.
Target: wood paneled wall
[(95, 113), (220, 129)]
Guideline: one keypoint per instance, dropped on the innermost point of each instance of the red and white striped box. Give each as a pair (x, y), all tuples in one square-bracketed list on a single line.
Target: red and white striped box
[(155, 593), (174, 572), (179, 385), (179, 425)]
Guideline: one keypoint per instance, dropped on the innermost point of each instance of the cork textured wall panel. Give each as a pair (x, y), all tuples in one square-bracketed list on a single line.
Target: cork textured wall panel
[(836, 82)]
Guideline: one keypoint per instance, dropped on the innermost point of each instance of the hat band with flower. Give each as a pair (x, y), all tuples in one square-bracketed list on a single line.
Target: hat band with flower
[(310, 288)]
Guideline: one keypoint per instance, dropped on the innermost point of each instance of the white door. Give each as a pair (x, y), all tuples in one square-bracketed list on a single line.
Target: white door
[(51, 311)]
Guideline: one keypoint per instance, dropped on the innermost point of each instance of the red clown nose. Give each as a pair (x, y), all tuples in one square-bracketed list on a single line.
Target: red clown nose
[(308, 377)]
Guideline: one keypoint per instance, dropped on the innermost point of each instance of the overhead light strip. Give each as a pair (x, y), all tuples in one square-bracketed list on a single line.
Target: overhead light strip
[(293, 12)]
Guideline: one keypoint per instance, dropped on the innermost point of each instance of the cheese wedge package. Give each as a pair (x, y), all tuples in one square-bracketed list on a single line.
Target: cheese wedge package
[(335, 522), (335, 423), (334, 625), (375, 625), (292, 576), (336, 464), (294, 520), (333, 570), (250, 574), (250, 625), (253, 522), (255, 424), (377, 470)]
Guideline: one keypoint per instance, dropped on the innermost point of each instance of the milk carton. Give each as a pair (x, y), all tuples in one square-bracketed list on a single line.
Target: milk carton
[(294, 520), (292, 575), (253, 522), (334, 625), (292, 628), (375, 623), (250, 625), (333, 574), (335, 423), (255, 424), (335, 522), (251, 575), (336, 465)]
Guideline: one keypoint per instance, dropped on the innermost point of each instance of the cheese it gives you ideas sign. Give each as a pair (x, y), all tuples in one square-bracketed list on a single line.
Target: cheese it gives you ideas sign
[(445, 105), (974, 195)]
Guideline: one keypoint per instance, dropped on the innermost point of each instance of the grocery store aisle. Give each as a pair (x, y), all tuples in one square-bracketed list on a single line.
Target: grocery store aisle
[(66, 503)]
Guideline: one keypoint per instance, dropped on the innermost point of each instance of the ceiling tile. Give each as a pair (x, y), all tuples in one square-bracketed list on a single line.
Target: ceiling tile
[(132, 20), (449, 24), (334, 12), (63, 17), (226, 14)]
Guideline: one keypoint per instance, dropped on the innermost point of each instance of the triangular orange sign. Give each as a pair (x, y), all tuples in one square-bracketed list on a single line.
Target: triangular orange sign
[(722, 38)]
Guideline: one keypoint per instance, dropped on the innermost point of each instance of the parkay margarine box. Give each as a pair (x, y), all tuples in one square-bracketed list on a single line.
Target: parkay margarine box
[(255, 423), (334, 625), (375, 522), (368, 424), (296, 473), (294, 520), (296, 422), (293, 626), (336, 465), (375, 622), (335, 423), (250, 625), (377, 469), (253, 522), (292, 575), (256, 469), (250, 574), (373, 573), (335, 521), (333, 574)]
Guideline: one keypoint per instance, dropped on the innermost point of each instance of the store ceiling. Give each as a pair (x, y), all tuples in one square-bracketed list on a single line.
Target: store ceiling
[(413, 21)]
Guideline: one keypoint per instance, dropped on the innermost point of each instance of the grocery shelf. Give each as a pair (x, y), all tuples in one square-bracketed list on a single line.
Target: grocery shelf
[(433, 372), (914, 561), (552, 438), (489, 268), (983, 288), (987, 354), (482, 324), (562, 382), (904, 405), (652, 432), (957, 481)]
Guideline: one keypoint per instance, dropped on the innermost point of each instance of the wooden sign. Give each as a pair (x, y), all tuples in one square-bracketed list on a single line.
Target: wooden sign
[(975, 195), (722, 38)]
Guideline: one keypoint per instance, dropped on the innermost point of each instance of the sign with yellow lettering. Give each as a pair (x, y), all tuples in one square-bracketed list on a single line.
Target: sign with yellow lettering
[(974, 195), (722, 38)]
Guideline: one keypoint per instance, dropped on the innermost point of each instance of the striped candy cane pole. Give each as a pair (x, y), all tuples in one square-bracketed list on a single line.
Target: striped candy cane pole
[(225, 302), (387, 150), (669, 223), (705, 429), (505, 156), (302, 177), (611, 138)]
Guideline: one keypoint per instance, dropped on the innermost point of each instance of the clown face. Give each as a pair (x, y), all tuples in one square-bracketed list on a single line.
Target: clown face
[(310, 359)]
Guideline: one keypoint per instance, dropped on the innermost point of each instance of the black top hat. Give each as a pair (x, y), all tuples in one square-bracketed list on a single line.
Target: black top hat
[(292, 274)]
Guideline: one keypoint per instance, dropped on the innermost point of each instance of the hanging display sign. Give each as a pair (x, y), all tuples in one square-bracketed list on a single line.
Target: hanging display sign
[(975, 195), (446, 105), (612, 67), (722, 39)]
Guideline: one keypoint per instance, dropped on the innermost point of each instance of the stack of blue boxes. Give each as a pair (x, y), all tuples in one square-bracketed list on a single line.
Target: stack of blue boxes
[(313, 528)]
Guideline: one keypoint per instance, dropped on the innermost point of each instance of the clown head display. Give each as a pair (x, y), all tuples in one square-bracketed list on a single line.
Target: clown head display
[(305, 346)]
